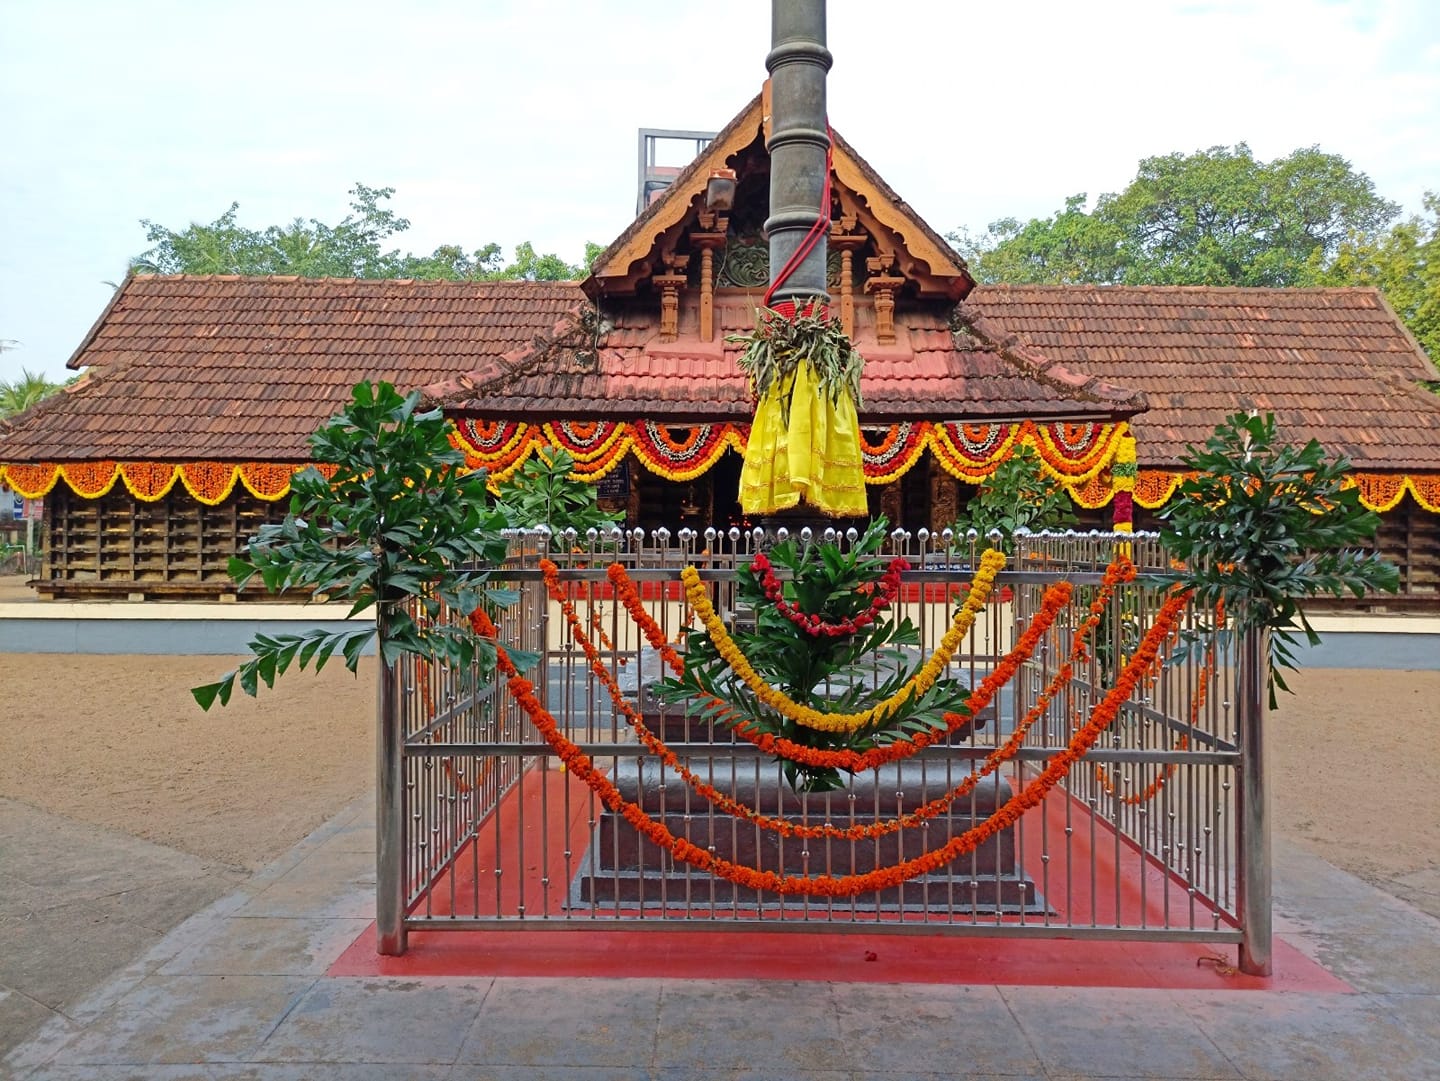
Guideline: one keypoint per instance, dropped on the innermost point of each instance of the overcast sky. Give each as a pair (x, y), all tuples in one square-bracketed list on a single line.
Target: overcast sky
[(511, 121)]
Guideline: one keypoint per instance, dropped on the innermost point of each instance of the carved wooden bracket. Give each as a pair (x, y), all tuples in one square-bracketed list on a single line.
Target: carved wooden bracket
[(670, 285), (883, 285), (847, 246)]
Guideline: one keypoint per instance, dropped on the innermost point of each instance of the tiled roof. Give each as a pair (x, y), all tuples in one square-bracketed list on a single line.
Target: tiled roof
[(928, 374), (246, 368), (1335, 365)]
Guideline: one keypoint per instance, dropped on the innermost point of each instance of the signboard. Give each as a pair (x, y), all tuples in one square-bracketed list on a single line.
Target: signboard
[(35, 510), (17, 508), (615, 484)]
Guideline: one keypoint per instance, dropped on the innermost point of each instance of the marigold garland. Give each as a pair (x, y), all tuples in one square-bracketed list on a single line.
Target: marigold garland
[(728, 804), (1197, 703), (90, 480), (898, 450), (597, 615), (1123, 473), (30, 481), (990, 565), (1033, 793), (1056, 598), (1154, 487), (149, 482)]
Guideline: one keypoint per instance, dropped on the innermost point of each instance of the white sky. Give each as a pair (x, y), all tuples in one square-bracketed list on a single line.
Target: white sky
[(509, 121)]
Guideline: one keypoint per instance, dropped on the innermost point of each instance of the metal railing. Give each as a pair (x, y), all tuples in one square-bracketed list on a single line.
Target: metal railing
[(1159, 832)]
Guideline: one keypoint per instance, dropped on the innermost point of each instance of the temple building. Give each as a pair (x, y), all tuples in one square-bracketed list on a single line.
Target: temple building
[(199, 392)]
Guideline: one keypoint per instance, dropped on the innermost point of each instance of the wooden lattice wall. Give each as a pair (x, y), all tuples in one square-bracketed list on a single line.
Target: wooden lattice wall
[(180, 548), (175, 547), (1410, 538)]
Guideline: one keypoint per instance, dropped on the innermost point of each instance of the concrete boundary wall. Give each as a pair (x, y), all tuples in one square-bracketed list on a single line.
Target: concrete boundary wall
[(1359, 641)]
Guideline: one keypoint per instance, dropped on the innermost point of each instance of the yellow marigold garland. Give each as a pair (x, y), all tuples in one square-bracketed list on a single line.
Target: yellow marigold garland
[(1056, 598), (728, 804), (991, 564)]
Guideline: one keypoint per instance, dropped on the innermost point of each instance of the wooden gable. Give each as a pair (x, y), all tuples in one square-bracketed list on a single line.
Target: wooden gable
[(681, 247)]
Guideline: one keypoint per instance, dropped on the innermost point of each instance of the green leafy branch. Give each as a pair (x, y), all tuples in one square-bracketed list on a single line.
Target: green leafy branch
[(1017, 496), (842, 674), (544, 492), (779, 344), (399, 525), (1263, 525)]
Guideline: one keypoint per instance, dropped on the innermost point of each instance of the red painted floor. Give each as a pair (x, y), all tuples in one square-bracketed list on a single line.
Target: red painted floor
[(579, 948)]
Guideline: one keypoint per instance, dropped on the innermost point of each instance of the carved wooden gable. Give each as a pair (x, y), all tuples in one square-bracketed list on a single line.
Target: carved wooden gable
[(701, 238)]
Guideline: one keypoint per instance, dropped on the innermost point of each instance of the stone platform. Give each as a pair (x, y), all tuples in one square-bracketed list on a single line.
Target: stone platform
[(622, 870)]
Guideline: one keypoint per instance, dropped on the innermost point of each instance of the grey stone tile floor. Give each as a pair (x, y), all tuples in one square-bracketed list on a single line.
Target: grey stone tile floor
[(238, 992)]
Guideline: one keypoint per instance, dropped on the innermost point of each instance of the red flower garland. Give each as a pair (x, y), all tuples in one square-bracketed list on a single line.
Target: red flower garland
[(810, 622)]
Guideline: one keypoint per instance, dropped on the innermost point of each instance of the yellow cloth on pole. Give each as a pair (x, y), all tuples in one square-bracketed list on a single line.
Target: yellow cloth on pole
[(814, 457)]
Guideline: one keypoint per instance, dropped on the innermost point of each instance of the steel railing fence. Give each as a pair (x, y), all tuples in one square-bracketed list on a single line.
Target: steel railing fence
[(480, 826)]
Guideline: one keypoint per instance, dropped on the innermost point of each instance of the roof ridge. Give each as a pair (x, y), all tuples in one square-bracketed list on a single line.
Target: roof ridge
[(1014, 350), (503, 367)]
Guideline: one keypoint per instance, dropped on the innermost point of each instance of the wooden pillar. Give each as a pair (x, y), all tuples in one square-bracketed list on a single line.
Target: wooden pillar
[(944, 500), (891, 504), (848, 246), (708, 243)]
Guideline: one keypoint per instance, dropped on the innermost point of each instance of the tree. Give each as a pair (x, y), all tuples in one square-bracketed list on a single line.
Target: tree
[(1215, 217), (1071, 248), (356, 247), (18, 395), (1017, 496), (1404, 263)]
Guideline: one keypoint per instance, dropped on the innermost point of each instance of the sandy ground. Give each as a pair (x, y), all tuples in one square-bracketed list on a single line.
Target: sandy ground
[(1355, 758), (117, 741)]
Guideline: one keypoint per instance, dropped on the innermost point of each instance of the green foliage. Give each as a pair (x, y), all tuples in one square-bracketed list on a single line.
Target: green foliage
[(780, 344), (843, 674), (400, 519), (357, 247), (543, 492), (1404, 263), (1215, 217), (1263, 525), (1018, 495), (1071, 248), (19, 394)]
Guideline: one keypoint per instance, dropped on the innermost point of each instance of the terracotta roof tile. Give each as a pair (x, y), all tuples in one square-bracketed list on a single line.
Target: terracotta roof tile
[(928, 374), (1332, 364), (228, 367)]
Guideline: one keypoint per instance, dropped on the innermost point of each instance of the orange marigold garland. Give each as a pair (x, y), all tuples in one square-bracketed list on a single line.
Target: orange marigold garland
[(31, 481), (581, 766), (90, 480), (1056, 598), (267, 480), (208, 482), (735, 808), (1197, 703)]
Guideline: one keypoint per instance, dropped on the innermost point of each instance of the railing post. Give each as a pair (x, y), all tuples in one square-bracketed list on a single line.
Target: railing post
[(389, 809), (1253, 886)]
